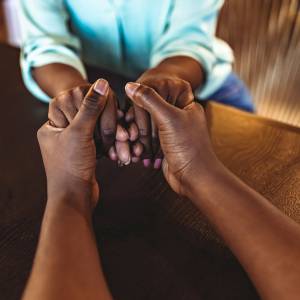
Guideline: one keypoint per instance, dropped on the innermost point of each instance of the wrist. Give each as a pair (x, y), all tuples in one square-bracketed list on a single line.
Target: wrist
[(76, 194), (202, 178), (182, 67), (57, 77), (69, 84), (158, 71)]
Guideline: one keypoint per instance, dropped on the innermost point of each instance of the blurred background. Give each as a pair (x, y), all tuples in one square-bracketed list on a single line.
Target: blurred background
[(265, 35)]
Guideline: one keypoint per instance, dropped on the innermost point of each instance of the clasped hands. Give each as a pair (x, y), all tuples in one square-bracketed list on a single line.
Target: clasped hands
[(128, 136), (68, 146)]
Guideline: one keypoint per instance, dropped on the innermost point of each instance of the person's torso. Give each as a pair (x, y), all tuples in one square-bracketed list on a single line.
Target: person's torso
[(118, 34)]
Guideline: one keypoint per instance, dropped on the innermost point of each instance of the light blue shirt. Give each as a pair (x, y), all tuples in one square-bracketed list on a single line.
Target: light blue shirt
[(124, 36)]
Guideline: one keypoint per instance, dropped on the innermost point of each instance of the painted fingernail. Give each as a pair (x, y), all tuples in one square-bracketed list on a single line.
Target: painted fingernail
[(157, 163), (131, 88), (147, 163), (101, 87)]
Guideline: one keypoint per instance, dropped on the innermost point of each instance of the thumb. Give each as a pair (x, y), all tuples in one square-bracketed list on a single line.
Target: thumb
[(92, 106), (148, 99)]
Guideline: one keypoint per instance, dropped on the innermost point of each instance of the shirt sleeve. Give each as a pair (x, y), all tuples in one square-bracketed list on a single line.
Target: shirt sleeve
[(46, 39), (191, 32)]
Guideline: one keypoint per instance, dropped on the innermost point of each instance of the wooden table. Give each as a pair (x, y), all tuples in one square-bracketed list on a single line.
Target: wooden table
[(153, 244)]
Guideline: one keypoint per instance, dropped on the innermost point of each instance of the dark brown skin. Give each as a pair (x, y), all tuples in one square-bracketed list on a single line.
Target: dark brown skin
[(64, 268), (56, 78), (66, 85), (266, 242), (171, 79)]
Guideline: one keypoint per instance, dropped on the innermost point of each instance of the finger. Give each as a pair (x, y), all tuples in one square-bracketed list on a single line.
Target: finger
[(79, 93), (108, 122), (133, 132), (129, 117), (143, 122), (137, 149), (123, 152), (158, 159), (185, 97), (92, 106), (112, 153), (162, 90), (155, 138), (120, 114), (65, 102), (122, 134), (56, 116), (157, 163), (167, 94), (146, 98)]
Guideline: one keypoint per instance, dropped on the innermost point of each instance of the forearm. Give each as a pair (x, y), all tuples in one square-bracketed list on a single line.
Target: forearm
[(67, 264), (183, 67), (266, 242), (55, 78)]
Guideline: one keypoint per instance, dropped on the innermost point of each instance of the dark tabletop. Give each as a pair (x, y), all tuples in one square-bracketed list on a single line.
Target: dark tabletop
[(153, 244)]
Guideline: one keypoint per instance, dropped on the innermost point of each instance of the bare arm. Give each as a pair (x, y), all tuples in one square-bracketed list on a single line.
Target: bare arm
[(180, 67), (67, 265), (55, 78), (266, 242)]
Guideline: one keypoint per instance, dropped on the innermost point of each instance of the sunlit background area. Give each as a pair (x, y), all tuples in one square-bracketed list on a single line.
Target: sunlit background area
[(265, 35)]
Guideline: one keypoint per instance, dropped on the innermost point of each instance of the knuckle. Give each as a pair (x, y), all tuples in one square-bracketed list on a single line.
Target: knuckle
[(143, 132), (185, 84), (78, 92), (64, 95), (40, 133), (108, 131), (146, 92), (91, 103)]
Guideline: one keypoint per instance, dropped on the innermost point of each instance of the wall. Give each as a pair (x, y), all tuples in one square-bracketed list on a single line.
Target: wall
[(265, 35), (2, 24)]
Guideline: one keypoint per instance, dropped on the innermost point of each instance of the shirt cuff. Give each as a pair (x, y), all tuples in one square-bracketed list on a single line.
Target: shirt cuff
[(42, 57), (216, 68)]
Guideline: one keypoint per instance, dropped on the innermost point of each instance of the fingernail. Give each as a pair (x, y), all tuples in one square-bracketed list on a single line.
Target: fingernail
[(157, 163), (131, 88), (122, 134), (127, 162), (101, 87), (147, 162)]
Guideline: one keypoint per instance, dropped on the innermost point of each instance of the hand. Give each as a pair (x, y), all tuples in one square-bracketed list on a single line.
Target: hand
[(173, 90), (111, 138), (183, 135), (67, 144)]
